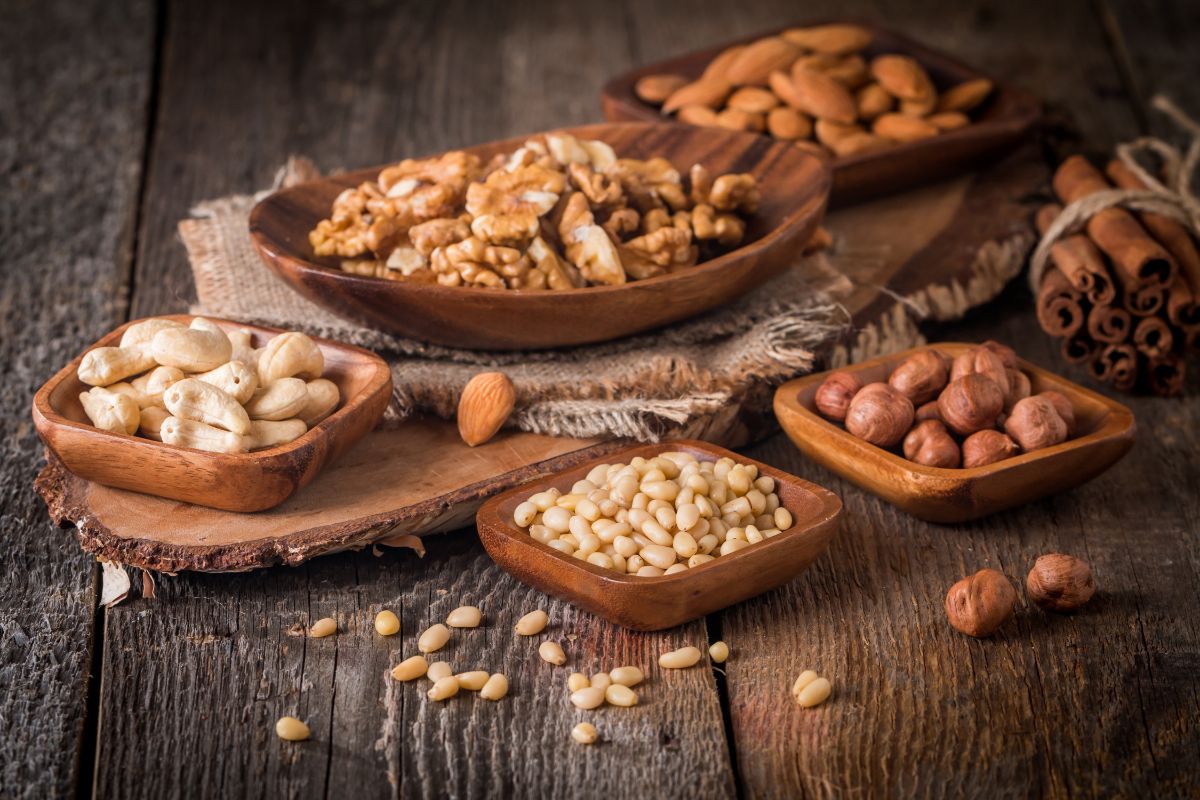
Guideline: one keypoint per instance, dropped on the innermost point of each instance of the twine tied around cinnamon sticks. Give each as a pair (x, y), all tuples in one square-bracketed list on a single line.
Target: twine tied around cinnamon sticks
[(1138, 317)]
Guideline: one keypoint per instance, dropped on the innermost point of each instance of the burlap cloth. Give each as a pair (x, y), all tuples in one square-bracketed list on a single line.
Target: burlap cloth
[(684, 380)]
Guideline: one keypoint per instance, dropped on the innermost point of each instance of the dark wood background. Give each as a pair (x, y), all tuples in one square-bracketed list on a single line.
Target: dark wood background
[(115, 117)]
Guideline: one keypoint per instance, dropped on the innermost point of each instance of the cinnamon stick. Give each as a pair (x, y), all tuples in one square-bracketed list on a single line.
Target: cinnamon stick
[(1059, 305), (1078, 259), (1166, 375), (1153, 337), (1079, 349), (1117, 363), (1109, 324), (1145, 299), (1136, 256)]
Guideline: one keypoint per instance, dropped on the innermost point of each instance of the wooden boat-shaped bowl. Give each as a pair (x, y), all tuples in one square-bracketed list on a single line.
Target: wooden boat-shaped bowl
[(1104, 433), (232, 482), (794, 187), (651, 604), (1000, 124)]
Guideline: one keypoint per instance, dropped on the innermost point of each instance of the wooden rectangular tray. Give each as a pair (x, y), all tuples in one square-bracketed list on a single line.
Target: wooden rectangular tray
[(1005, 119)]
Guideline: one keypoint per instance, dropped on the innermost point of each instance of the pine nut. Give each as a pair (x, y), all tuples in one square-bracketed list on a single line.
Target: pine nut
[(543, 534), (472, 681), (626, 676), (410, 668), (386, 623), (674, 568), (660, 490), (444, 689), (552, 653), (588, 510), (753, 535), (577, 681), (438, 670), (718, 652), (561, 546), (291, 729), (618, 695), (634, 563), (322, 628), (698, 559), (625, 546), (524, 514), (495, 688), (582, 487), (687, 517), (685, 545), (658, 556), (568, 501), (783, 518), (665, 518), (733, 546), (738, 505), (812, 693), (649, 571), (557, 519), (682, 658), (600, 560), (601, 680), (464, 617), (579, 526), (434, 638), (598, 475), (656, 533), (802, 680), (735, 533), (764, 484), (532, 623), (589, 698), (640, 501), (584, 733), (758, 501), (707, 543)]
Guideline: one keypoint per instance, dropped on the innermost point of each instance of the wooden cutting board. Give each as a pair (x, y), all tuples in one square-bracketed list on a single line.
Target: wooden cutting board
[(930, 253)]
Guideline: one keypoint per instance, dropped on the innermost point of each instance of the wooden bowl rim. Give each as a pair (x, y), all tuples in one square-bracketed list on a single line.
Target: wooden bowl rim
[(819, 192), (44, 409), (1026, 109), (488, 516), (1118, 420)]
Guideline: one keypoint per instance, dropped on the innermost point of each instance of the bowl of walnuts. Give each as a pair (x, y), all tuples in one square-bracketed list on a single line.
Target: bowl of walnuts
[(954, 431)]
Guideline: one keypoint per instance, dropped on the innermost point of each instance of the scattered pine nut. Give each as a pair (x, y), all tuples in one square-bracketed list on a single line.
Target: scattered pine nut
[(810, 689), (410, 669), (444, 689), (291, 729), (589, 698), (584, 733), (601, 679), (718, 652), (434, 638), (682, 658), (322, 628), (577, 681), (552, 653), (472, 681), (387, 623), (464, 617), (438, 670), (532, 623), (627, 676), (495, 688), (618, 695)]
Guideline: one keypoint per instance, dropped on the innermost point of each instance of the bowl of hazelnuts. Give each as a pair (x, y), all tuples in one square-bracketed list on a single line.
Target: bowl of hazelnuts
[(953, 432)]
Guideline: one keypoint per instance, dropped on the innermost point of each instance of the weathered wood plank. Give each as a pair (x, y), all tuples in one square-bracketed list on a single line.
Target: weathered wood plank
[(74, 83)]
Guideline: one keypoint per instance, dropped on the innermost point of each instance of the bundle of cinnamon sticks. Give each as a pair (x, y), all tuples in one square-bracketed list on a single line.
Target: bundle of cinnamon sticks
[(1124, 293)]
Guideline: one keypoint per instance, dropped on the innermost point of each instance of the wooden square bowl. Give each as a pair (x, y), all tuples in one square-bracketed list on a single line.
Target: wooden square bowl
[(232, 482), (1000, 124), (651, 604), (1104, 433)]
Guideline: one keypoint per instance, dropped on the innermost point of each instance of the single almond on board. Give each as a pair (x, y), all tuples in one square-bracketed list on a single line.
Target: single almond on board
[(760, 59), (710, 92), (902, 76), (484, 407), (657, 88), (821, 96), (838, 39), (903, 128), (965, 96)]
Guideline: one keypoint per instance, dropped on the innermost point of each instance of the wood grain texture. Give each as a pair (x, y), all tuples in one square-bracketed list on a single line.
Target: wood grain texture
[(74, 82)]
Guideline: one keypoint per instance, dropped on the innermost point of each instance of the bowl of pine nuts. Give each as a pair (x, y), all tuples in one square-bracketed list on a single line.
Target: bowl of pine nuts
[(657, 535)]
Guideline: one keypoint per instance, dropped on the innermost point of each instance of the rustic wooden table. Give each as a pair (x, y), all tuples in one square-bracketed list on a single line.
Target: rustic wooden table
[(116, 116)]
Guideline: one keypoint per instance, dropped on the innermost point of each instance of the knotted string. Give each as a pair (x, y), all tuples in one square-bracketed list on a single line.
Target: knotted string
[(1171, 197)]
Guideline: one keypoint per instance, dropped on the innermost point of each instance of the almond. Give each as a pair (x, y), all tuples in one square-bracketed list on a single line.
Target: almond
[(838, 39), (850, 72), (817, 62), (903, 128), (919, 108), (822, 96), (965, 96), (737, 120), (948, 120), (760, 59), (697, 115), (902, 76), (655, 89), (484, 407), (781, 84), (719, 66), (753, 99), (873, 100), (710, 92), (830, 132), (859, 143), (788, 123)]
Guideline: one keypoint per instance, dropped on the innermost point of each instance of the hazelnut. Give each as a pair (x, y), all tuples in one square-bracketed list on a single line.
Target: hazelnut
[(880, 415), (920, 376), (1006, 353), (1063, 406), (929, 443), (1018, 388), (987, 447), (980, 604), (834, 394), (1034, 423), (971, 404), (928, 411), (1060, 583), (981, 361)]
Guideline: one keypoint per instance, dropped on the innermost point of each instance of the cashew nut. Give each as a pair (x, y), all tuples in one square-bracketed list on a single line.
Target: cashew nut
[(189, 433), (143, 332), (280, 399), (191, 349), (152, 419), (155, 382), (243, 347), (142, 399), (323, 397), (102, 366), (290, 354), (193, 399), (235, 379), (110, 411), (271, 433)]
